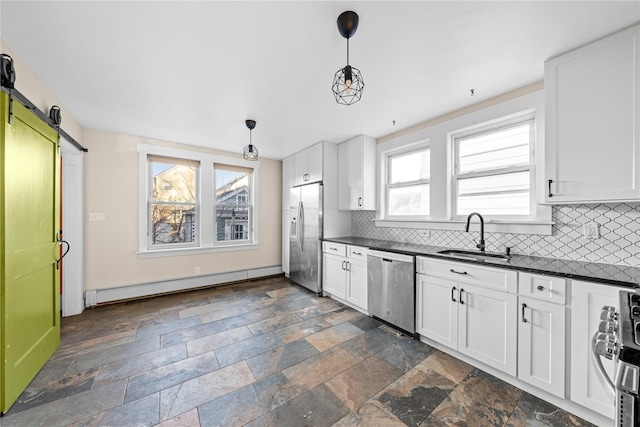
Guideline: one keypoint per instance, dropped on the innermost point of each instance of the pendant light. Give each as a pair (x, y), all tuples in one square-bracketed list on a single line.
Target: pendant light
[(250, 151), (347, 83)]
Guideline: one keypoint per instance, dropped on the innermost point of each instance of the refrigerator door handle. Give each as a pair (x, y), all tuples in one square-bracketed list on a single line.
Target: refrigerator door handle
[(300, 225)]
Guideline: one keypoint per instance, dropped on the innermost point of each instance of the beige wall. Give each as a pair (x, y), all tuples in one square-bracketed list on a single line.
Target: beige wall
[(111, 187), (30, 86)]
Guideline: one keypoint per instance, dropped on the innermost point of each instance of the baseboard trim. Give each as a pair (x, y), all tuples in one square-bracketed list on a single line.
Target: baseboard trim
[(94, 297)]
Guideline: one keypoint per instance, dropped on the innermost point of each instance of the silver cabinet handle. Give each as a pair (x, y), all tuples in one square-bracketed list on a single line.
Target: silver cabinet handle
[(343, 263), (461, 291), (550, 193), (540, 288), (458, 272), (357, 253), (333, 249), (360, 201), (348, 266), (523, 318), (452, 297)]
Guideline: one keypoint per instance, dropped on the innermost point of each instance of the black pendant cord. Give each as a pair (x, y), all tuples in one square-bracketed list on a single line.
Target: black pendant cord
[(14, 93), (347, 50)]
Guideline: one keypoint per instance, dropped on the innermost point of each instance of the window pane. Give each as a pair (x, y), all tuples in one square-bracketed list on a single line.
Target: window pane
[(232, 223), (233, 203), (232, 187), (173, 223), (174, 182), (412, 166), (409, 201), (505, 194), (499, 149)]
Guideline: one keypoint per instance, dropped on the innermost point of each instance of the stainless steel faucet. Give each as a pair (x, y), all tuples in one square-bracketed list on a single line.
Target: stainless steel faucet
[(481, 244)]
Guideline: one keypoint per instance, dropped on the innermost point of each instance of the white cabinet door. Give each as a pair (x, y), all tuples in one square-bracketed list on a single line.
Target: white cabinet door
[(487, 328), (541, 345), (334, 275), (349, 172), (307, 165), (285, 242), (357, 283), (356, 174), (587, 300), (287, 181), (593, 107), (437, 309), (300, 167), (315, 159)]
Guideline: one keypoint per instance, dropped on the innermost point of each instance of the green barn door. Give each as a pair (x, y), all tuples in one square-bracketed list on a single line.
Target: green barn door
[(29, 293)]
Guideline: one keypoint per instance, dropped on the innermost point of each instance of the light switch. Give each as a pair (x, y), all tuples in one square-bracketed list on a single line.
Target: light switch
[(96, 217)]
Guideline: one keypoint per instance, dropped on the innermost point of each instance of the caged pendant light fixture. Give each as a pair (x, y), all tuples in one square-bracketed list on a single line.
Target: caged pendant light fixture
[(347, 83), (250, 152)]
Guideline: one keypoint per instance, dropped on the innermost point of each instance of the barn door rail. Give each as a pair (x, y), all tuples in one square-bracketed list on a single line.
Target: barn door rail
[(7, 87)]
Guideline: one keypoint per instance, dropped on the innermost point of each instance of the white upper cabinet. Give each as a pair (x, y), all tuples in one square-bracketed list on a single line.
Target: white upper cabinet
[(592, 137), (307, 165), (357, 174), (287, 181)]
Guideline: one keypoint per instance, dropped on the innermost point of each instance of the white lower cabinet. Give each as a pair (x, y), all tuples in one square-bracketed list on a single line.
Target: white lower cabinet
[(587, 300), (334, 275), (542, 331), (541, 344), (344, 273), (474, 320)]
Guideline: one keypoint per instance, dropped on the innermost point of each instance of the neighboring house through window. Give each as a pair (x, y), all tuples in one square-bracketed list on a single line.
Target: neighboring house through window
[(192, 201), (233, 211)]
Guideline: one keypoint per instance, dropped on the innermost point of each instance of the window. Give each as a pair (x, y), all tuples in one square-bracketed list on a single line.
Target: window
[(233, 191), (173, 205), (493, 170), (407, 183), (192, 202)]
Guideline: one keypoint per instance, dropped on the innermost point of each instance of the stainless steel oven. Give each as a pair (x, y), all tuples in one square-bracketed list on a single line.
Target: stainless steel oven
[(618, 339)]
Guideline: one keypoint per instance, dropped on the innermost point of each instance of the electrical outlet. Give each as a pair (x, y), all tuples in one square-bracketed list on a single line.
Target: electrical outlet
[(591, 230), (196, 270)]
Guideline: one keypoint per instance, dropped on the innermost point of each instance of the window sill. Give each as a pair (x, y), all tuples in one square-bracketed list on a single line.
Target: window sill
[(493, 226), (159, 253)]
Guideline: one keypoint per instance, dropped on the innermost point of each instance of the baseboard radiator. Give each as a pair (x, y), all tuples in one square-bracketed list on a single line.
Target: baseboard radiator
[(94, 297)]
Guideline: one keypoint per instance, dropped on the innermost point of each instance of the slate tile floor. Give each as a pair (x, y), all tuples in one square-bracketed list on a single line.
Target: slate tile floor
[(259, 353)]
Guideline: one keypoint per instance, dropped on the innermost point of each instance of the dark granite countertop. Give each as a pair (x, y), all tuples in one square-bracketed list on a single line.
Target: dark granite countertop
[(605, 273)]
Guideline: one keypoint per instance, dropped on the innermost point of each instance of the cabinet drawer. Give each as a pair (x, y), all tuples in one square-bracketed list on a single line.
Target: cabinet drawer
[(545, 288), (334, 248), (488, 277), (357, 252)]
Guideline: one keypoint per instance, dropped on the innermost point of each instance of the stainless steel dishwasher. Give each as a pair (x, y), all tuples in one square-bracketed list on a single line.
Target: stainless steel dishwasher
[(391, 282)]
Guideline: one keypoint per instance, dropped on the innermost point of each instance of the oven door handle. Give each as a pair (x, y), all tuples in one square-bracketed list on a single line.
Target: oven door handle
[(606, 382)]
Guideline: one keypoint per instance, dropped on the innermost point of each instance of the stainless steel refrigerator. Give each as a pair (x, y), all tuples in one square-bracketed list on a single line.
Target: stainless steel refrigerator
[(305, 236)]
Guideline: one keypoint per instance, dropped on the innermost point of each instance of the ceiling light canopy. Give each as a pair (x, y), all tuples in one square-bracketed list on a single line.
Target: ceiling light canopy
[(347, 83), (250, 152)]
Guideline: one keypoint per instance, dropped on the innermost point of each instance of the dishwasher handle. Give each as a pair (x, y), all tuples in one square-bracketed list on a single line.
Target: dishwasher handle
[(391, 256)]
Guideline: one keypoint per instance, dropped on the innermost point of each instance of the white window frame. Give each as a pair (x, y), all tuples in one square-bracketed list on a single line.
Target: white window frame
[(150, 176), (250, 212), (485, 128), (206, 199), (415, 147)]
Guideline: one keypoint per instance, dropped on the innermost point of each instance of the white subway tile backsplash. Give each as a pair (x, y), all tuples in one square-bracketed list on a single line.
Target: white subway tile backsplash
[(619, 241)]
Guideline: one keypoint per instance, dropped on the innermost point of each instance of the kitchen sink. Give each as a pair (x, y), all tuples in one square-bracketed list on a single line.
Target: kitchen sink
[(475, 255)]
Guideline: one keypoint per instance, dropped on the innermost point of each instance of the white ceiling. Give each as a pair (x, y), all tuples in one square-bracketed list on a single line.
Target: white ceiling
[(192, 72)]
